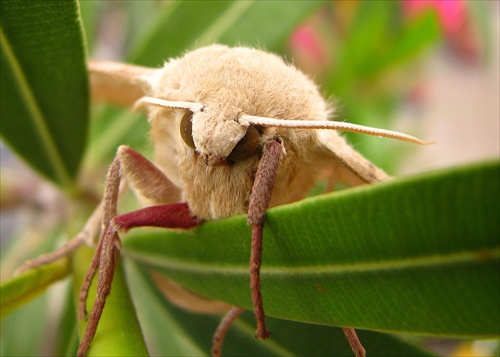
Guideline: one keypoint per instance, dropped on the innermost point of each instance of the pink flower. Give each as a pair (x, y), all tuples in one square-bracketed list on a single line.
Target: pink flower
[(305, 39), (308, 49)]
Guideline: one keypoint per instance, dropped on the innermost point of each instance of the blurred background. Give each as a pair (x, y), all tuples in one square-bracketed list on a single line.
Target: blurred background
[(429, 68)]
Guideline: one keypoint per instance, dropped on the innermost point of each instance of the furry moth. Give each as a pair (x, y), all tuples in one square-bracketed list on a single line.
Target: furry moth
[(233, 130)]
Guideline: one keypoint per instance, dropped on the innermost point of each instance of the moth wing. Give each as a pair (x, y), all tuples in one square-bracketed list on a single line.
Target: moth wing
[(119, 83), (341, 163)]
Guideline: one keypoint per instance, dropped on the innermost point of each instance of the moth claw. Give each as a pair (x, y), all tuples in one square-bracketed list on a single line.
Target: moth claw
[(262, 334)]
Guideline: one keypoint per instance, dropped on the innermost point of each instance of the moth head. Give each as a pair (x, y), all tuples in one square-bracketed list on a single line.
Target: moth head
[(214, 131)]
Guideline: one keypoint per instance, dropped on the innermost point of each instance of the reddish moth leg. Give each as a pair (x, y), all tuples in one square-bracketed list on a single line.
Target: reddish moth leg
[(232, 129)]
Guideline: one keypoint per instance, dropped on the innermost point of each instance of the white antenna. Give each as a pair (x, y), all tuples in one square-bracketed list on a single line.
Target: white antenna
[(332, 125), (192, 106)]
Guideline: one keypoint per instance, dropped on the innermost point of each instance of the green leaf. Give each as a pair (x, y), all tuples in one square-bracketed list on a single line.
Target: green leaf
[(375, 46), (392, 256), (18, 291), (118, 333), (190, 334), (44, 85), (416, 36), (266, 24)]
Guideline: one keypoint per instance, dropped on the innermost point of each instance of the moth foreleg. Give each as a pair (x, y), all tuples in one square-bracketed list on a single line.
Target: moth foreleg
[(142, 176), (262, 189), (260, 196), (99, 259), (151, 183)]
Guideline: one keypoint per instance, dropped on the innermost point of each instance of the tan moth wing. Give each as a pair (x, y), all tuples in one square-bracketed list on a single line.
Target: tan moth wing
[(342, 163), (120, 83)]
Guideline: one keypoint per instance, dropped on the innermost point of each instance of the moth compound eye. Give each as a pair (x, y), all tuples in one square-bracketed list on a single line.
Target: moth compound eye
[(187, 129), (247, 147)]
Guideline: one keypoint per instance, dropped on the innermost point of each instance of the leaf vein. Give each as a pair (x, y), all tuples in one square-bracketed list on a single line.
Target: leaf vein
[(434, 260)]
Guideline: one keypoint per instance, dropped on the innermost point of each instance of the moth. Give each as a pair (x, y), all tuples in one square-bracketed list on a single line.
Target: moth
[(235, 131)]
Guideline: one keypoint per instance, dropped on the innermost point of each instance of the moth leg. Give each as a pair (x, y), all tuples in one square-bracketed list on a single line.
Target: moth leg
[(262, 189), (89, 276), (91, 228), (352, 338), (63, 251), (86, 235), (104, 257), (222, 329), (95, 221), (145, 177)]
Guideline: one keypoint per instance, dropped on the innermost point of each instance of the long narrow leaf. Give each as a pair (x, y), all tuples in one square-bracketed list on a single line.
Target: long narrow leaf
[(419, 254), (174, 331), (23, 288)]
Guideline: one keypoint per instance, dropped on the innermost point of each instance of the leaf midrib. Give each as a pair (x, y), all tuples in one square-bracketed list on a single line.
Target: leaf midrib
[(424, 261)]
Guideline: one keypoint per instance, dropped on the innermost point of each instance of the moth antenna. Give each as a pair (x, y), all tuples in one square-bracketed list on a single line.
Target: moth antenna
[(332, 125), (192, 106)]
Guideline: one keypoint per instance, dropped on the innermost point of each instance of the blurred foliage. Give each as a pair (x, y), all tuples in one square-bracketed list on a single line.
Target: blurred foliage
[(364, 55)]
